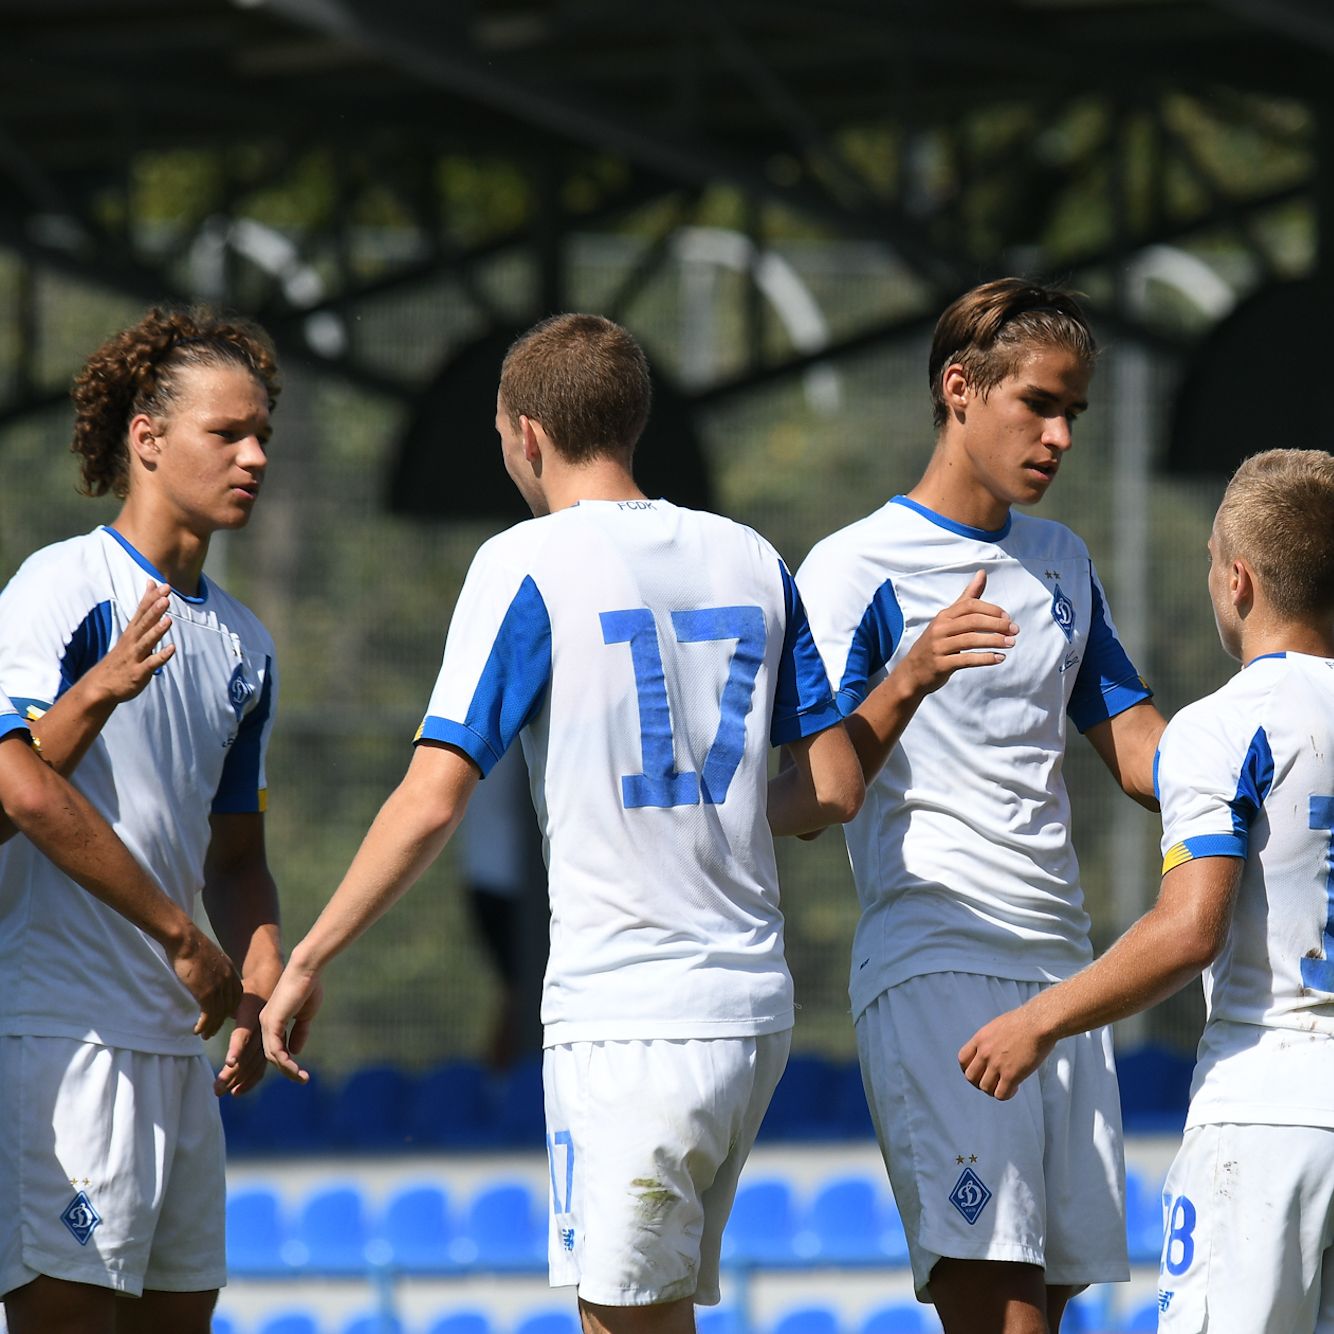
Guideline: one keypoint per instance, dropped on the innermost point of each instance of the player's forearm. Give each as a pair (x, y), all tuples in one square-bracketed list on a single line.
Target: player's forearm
[(1167, 948), (66, 730), (878, 722), (65, 828), (820, 784), (400, 845), (243, 911)]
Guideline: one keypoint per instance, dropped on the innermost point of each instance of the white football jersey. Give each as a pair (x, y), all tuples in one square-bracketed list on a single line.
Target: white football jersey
[(649, 656), (193, 742), (1249, 772), (962, 852)]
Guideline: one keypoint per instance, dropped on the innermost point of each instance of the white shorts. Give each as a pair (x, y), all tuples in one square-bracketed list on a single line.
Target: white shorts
[(1038, 1179), (112, 1168), (646, 1141), (1248, 1217)]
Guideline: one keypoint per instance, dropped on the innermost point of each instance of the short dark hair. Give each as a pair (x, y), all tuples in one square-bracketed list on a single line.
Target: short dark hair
[(1278, 514), (135, 371), (585, 379), (990, 330)]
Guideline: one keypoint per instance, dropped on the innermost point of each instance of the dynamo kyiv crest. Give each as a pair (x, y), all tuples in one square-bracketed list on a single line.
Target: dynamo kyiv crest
[(969, 1195), (240, 690), (1063, 613), (81, 1218)]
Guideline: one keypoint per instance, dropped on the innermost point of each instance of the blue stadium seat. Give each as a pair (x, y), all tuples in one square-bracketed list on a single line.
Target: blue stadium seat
[(452, 1108), (287, 1117), (373, 1322), (370, 1110), (718, 1320), (1140, 1320), (331, 1232), (1144, 1219), (852, 1221), (258, 1238), (808, 1320), (900, 1318), (464, 1321), (520, 1117), (418, 1229), (556, 1320), (290, 1322), (801, 1108), (851, 1116), (505, 1228), (223, 1324), (762, 1229), (1155, 1089)]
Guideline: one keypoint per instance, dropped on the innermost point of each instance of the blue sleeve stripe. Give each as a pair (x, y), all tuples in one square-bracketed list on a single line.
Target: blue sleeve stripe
[(477, 748), (802, 695), (872, 646), (1157, 786), (514, 681), (794, 727), (1107, 682), (11, 723), (86, 647), (238, 788), (1254, 783), (1216, 845), (31, 709)]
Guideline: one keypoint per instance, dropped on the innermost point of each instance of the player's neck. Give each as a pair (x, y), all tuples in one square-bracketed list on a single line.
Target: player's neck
[(1272, 635), (175, 551), (602, 479), (949, 488)]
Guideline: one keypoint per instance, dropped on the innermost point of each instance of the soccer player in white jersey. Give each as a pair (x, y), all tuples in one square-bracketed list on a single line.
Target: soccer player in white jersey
[(157, 703), (647, 657), (1246, 779), (968, 882)]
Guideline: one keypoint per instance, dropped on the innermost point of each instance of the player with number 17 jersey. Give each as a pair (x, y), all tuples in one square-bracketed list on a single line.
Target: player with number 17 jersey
[(644, 706)]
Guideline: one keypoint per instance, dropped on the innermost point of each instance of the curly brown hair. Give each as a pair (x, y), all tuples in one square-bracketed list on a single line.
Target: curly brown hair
[(136, 371)]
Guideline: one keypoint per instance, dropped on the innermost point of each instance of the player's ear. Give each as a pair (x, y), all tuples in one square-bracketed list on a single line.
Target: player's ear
[(535, 439), (954, 388), (1241, 585), (142, 438)]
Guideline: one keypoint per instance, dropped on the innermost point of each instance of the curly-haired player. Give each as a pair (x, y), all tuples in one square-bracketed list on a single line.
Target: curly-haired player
[(153, 690)]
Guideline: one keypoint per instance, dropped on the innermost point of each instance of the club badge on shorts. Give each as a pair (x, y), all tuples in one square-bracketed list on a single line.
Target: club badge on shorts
[(969, 1195), (81, 1218)]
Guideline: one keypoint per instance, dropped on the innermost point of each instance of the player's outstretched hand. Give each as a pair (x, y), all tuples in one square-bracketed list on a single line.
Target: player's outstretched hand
[(210, 977), (243, 1067), (130, 662), (967, 633), (285, 1022), (1002, 1054)]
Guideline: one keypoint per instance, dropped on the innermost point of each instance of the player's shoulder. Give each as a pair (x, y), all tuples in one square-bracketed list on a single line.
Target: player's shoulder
[(1032, 535), (74, 566), (1228, 717)]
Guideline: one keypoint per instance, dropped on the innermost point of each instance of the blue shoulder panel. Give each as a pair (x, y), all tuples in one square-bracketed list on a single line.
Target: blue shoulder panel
[(238, 788), (85, 648), (512, 685), (1107, 683), (803, 702), (872, 646)]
